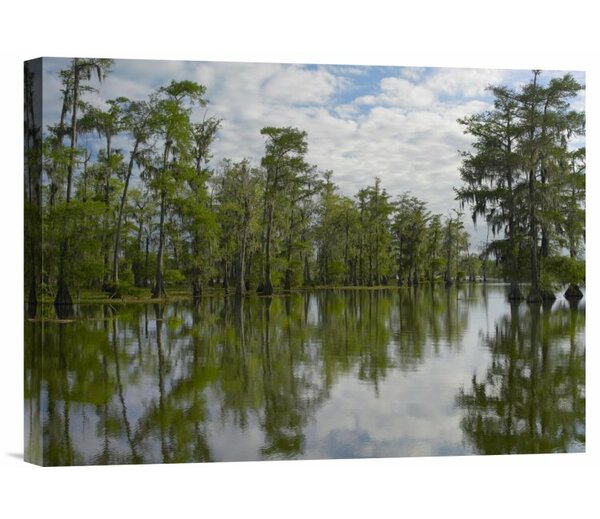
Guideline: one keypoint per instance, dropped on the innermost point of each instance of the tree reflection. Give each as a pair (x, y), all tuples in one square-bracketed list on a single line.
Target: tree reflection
[(162, 383), (532, 398), (74, 377), (33, 378), (429, 318), (173, 420)]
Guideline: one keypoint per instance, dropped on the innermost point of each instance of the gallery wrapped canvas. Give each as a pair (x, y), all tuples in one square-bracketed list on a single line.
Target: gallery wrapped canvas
[(250, 261)]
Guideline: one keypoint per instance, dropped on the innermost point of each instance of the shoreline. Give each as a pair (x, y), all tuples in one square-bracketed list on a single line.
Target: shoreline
[(179, 294)]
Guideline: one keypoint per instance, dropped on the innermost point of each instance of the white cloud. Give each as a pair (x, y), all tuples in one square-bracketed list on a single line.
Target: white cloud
[(405, 93), (463, 82), (399, 92), (412, 73), (296, 85)]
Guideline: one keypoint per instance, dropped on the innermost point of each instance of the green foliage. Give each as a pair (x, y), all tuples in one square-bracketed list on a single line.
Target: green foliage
[(79, 224), (566, 270), (526, 175), (158, 212), (410, 235), (173, 276)]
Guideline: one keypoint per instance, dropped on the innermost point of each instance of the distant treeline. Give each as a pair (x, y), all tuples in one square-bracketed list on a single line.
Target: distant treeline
[(157, 215)]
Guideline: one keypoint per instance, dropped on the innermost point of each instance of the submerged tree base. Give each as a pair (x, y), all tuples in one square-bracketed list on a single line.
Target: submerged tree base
[(64, 311), (548, 295), (196, 290), (31, 309), (515, 294), (534, 296), (63, 296), (112, 289), (573, 292), (159, 291), (266, 289)]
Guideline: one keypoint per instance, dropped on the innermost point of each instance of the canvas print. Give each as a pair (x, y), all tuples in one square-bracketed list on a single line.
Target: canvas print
[(252, 261)]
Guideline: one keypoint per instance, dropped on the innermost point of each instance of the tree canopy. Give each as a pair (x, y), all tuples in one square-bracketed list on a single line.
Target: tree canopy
[(162, 214)]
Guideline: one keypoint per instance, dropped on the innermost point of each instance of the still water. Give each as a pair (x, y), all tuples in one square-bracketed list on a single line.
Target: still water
[(319, 374)]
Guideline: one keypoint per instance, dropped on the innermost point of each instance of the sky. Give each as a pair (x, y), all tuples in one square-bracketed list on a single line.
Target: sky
[(395, 123)]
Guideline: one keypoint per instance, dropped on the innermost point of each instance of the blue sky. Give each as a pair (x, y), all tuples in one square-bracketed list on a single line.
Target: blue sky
[(397, 123)]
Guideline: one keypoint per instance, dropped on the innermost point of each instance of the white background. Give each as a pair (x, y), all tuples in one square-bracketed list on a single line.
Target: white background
[(507, 34)]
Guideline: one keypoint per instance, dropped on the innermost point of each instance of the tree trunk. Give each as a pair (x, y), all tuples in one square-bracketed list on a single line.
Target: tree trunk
[(361, 264), (346, 247), (267, 288), (117, 248), (105, 240), (400, 264), (63, 296), (307, 280), (534, 295), (196, 281), (159, 287), (240, 285), (63, 302), (514, 293), (225, 284), (448, 275), (248, 273), (288, 269), (73, 145), (196, 286), (175, 253), (147, 262)]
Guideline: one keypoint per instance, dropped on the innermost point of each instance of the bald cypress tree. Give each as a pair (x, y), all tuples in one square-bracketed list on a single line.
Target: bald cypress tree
[(283, 160), (75, 81), (171, 121), (546, 121), (515, 176), (492, 177)]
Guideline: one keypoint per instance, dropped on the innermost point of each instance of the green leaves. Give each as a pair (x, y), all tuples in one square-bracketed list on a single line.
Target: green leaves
[(285, 148), (179, 90), (521, 175)]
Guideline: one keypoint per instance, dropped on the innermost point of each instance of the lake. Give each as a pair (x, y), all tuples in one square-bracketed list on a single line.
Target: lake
[(320, 374)]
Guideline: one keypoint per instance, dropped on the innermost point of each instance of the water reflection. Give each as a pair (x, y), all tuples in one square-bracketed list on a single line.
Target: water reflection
[(532, 397), (319, 374)]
